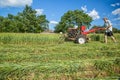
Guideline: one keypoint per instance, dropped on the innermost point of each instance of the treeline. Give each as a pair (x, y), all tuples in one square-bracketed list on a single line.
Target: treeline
[(25, 21), (115, 30)]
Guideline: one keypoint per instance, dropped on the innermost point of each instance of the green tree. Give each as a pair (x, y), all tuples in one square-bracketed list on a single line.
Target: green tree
[(6, 25), (115, 30), (1, 23), (33, 23), (72, 18), (13, 23), (25, 21), (42, 22)]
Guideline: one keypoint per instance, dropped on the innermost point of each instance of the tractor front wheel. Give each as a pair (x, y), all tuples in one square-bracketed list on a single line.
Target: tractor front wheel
[(81, 39)]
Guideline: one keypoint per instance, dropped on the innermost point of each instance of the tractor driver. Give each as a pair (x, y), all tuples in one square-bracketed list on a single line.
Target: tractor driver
[(108, 30)]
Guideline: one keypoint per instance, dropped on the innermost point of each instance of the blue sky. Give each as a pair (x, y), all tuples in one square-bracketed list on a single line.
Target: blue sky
[(54, 9)]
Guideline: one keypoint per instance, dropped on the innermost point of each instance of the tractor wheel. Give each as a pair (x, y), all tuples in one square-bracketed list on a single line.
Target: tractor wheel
[(81, 39)]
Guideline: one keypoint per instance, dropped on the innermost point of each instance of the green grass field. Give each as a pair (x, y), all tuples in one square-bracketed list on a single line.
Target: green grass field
[(46, 57)]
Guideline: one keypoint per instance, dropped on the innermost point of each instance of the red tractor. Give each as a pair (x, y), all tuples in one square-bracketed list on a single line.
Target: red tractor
[(79, 35)]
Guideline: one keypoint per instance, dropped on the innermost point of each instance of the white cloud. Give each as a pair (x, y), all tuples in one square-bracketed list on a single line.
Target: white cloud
[(94, 14), (117, 24), (113, 5), (117, 19), (84, 8), (39, 11), (116, 4), (14, 3), (116, 12), (53, 22)]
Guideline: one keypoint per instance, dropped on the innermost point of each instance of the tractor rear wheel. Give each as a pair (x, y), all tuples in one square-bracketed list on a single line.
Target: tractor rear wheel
[(81, 39)]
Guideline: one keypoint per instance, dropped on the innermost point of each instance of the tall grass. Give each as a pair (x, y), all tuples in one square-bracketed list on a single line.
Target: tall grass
[(15, 38), (100, 37)]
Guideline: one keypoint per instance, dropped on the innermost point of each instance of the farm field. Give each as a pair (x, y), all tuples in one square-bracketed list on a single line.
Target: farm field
[(32, 56)]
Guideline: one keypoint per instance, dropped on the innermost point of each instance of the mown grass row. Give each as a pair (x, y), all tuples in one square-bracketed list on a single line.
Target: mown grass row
[(100, 69), (53, 52), (45, 57), (21, 57)]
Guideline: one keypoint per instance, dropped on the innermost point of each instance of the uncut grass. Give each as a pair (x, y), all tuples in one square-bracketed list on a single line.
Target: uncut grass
[(30, 38), (57, 61)]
